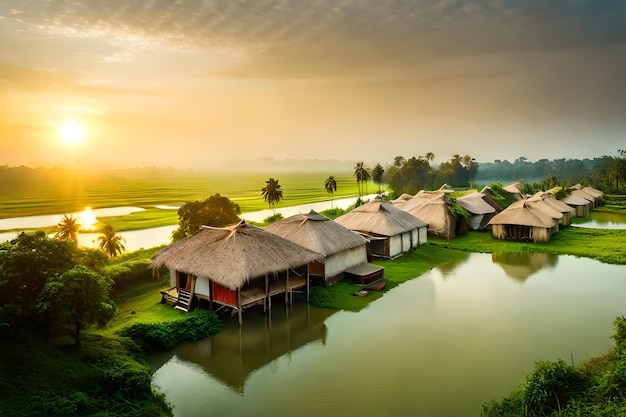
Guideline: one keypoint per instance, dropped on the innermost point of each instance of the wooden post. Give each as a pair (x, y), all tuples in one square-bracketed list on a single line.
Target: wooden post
[(267, 292), (239, 305), (287, 287), (308, 285)]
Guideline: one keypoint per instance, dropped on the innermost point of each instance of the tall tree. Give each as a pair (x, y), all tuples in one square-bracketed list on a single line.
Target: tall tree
[(111, 243), (68, 229), (77, 298), (377, 176), (362, 176), (272, 193), (330, 185), (217, 211), (26, 264)]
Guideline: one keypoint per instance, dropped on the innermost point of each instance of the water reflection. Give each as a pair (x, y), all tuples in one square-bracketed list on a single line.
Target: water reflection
[(604, 220), (520, 266), (238, 351), (433, 346)]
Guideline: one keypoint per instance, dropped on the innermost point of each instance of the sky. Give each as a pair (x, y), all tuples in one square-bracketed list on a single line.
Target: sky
[(202, 84)]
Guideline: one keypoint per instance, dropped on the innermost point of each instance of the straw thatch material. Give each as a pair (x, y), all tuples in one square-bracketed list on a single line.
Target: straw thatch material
[(403, 197), (232, 256), (380, 218), (593, 192), (558, 205), (514, 188), (432, 207), (523, 215), (317, 233), (475, 203), (481, 206)]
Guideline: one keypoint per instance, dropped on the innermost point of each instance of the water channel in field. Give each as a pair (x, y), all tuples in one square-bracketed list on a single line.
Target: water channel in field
[(151, 237), (439, 345), (604, 220)]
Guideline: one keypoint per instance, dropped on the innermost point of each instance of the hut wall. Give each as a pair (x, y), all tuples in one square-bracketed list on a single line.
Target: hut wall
[(540, 234), (339, 262), (172, 277), (476, 221), (223, 295), (423, 235), (379, 247), (203, 287), (318, 269), (395, 245), (407, 240)]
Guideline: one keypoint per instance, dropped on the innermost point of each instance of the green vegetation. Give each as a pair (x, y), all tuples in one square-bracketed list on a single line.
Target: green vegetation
[(594, 388), (604, 245), (411, 265)]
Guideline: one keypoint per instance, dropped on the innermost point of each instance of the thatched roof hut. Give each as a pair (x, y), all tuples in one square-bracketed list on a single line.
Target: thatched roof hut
[(341, 247), (515, 188), (390, 230), (481, 206), (434, 209), (523, 222), (236, 266)]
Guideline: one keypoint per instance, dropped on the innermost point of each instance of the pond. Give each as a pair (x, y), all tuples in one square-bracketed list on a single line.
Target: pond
[(439, 345), (604, 220)]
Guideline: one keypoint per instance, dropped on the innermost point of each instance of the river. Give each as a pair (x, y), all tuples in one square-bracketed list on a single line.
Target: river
[(439, 345), (155, 236)]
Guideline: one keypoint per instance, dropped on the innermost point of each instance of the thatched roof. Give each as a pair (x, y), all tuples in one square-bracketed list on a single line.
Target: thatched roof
[(476, 203), (514, 188), (593, 192), (536, 202), (575, 200), (523, 215), (233, 255), (380, 218), (558, 205), (403, 197), (318, 233), (433, 209)]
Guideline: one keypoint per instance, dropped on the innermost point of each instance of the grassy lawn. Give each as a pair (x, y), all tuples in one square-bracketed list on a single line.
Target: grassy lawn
[(605, 245)]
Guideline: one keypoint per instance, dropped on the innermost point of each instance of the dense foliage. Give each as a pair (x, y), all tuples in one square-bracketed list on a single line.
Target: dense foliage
[(155, 337), (217, 211), (596, 388)]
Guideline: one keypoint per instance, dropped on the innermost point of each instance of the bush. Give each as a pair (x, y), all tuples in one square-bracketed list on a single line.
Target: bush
[(164, 336), (551, 386)]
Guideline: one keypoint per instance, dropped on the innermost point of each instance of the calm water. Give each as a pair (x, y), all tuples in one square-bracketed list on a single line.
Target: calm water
[(602, 220), (156, 236), (439, 345)]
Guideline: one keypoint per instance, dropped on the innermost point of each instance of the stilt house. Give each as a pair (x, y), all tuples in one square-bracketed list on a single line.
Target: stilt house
[(237, 267)]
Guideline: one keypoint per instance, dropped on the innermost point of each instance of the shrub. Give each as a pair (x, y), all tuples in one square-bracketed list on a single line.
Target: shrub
[(164, 336)]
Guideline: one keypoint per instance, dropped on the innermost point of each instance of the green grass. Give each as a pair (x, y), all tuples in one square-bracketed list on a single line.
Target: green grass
[(602, 244), (410, 265)]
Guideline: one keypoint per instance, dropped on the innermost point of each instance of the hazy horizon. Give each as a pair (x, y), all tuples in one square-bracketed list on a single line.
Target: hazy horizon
[(195, 84)]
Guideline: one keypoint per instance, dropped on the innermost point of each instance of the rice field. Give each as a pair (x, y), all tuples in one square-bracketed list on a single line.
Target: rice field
[(147, 189)]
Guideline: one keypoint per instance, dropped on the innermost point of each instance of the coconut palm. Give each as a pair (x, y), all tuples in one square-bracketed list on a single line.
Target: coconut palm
[(111, 243), (272, 193), (377, 176), (68, 229), (331, 186), (362, 176)]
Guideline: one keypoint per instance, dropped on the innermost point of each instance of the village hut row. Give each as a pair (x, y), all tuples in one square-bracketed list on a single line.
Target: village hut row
[(244, 265), (538, 217)]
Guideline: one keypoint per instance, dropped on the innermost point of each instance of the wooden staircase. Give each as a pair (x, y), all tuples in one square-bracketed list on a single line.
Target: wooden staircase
[(184, 300)]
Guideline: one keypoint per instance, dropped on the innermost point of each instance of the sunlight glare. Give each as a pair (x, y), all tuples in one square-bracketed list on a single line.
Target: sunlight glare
[(72, 133), (87, 220)]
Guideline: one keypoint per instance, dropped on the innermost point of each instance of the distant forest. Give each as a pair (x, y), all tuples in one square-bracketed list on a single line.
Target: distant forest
[(416, 173)]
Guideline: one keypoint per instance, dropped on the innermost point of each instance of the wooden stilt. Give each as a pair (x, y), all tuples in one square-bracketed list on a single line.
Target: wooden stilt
[(267, 292), (308, 284), (239, 306), (287, 288)]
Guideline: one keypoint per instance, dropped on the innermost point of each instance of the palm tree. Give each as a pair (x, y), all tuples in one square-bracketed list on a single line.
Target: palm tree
[(331, 186), (68, 229), (111, 243), (272, 193), (361, 174)]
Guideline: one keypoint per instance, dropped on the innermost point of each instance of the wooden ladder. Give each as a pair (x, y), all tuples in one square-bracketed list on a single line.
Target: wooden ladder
[(184, 300)]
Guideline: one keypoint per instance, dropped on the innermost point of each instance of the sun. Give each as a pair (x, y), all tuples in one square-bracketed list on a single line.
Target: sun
[(72, 133)]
